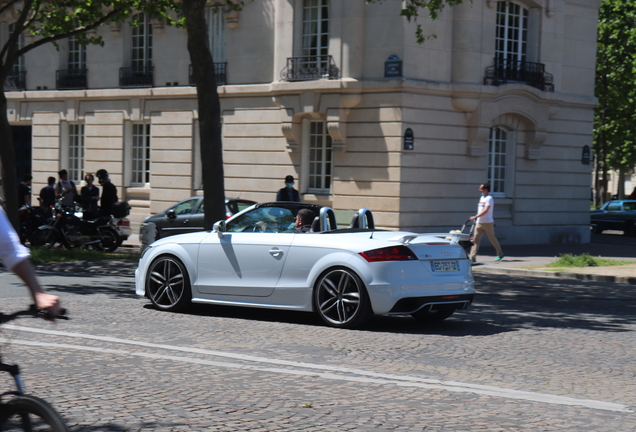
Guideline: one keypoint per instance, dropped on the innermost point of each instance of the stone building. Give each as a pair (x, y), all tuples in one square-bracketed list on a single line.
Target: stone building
[(339, 94)]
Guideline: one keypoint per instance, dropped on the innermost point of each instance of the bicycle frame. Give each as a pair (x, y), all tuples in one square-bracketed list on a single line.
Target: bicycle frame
[(14, 370)]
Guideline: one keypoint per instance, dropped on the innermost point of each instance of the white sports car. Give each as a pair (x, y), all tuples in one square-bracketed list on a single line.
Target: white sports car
[(255, 259)]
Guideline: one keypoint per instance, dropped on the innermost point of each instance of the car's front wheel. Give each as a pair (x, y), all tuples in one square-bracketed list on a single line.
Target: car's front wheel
[(168, 284), (341, 299)]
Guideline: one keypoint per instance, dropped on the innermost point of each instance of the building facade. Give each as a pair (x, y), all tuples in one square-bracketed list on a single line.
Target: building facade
[(338, 94)]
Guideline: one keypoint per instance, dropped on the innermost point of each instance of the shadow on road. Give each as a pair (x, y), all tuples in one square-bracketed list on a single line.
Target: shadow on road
[(506, 303)]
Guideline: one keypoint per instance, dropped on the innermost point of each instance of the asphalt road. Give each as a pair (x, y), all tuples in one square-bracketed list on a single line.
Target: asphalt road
[(531, 354)]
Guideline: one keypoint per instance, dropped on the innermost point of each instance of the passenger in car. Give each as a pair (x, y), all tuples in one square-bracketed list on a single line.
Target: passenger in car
[(304, 218)]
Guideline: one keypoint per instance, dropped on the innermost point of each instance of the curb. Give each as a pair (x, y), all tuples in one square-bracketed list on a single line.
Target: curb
[(126, 267), (118, 267), (559, 275)]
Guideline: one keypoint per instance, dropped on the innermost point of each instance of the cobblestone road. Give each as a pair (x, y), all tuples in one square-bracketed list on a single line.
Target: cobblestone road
[(532, 354)]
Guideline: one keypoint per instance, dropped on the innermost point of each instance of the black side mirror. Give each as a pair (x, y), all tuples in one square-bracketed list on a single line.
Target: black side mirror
[(170, 214)]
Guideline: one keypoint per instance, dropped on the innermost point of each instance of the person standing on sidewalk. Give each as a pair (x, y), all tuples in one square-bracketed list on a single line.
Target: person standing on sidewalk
[(485, 223), (288, 193)]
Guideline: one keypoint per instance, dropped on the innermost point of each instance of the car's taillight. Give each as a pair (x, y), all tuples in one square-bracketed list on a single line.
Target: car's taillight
[(124, 223), (391, 253)]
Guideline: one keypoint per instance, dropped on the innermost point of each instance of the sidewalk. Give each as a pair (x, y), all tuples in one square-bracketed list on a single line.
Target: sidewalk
[(530, 260), (522, 260)]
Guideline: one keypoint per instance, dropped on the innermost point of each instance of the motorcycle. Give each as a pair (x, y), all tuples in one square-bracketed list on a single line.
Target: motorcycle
[(31, 219), (74, 232)]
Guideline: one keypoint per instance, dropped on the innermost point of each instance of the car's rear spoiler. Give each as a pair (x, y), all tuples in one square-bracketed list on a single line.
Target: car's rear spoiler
[(452, 238)]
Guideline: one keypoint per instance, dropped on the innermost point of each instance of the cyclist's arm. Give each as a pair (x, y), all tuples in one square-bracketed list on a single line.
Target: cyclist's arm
[(15, 257), (25, 271)]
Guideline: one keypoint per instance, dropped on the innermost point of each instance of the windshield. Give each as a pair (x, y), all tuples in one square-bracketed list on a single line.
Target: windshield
[(264, 219)]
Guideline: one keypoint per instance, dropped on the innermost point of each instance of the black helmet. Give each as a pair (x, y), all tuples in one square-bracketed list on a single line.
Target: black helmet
[(101, 174)]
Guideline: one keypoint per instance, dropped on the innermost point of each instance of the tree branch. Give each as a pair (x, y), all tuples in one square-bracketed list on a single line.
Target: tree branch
[(109, 16)]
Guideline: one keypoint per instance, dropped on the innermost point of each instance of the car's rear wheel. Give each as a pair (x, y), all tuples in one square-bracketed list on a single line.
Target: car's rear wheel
[(341, 299), (437, 314), (168, 284), (629, 228)]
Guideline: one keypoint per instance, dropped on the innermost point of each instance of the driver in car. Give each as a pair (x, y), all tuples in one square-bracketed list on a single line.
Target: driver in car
[(304, 219)]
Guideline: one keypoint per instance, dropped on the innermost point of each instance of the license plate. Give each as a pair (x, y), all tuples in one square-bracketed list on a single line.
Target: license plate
[(444, 266)]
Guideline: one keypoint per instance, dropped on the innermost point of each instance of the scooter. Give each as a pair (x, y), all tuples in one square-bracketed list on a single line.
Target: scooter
[(74, 232)]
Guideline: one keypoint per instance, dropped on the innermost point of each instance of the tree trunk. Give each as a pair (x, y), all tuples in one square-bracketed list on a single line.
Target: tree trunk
[(620, 192), (7, 159), (209, 111)]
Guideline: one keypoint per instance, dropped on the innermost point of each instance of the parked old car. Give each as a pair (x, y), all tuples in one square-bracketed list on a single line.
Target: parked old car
[(257, 259), (187, 216), (615, 215)]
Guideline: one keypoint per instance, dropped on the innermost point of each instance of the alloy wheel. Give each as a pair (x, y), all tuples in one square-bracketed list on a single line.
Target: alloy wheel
[(341, 299), (167, 284)]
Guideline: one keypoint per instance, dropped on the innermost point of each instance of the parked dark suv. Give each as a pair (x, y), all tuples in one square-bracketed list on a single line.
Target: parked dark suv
[(187, 216)]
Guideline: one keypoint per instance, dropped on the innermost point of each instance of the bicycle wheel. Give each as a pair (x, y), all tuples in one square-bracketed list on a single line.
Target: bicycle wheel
[(31, 414)]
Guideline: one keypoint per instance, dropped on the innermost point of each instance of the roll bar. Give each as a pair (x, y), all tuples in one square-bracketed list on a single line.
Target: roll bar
[(362, 219)]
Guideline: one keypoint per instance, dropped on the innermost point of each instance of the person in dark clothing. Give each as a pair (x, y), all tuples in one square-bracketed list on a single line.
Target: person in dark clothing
[(288, 193), (24, 191), (90, 196), (47, 196), (304, 219), (109, 193)]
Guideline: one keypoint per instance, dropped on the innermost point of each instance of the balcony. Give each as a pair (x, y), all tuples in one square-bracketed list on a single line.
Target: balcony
[(505, 71), (219, 71), (16, 81), (310, 68), (71, 79), (136, 77)]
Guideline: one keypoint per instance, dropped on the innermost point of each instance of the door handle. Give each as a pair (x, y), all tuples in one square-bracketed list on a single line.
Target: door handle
[(275, 252)]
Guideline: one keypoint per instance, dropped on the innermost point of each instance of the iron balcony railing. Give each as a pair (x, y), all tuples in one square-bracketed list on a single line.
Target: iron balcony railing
[(309, 68), (504, 71), (219, 70), (136, 77), (71, 79), (15, 81)]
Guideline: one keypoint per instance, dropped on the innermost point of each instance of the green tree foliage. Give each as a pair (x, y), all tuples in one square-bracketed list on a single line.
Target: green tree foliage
[(411, 10), (615, 115), (50, 21)]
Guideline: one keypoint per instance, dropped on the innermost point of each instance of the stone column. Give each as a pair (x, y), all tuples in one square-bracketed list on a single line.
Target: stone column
[(352, 38), (283, 35), (467, 41)]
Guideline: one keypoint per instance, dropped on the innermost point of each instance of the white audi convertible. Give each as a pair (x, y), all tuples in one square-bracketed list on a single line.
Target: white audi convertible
[(255, 259)]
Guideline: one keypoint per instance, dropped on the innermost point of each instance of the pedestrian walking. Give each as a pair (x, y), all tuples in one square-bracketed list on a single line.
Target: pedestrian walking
[(485, 223)]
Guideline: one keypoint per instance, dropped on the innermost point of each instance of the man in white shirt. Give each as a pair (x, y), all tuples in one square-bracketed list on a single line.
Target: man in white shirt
[(485, 223)]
